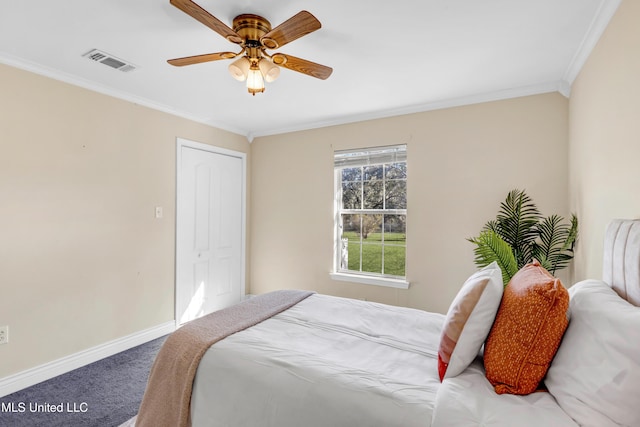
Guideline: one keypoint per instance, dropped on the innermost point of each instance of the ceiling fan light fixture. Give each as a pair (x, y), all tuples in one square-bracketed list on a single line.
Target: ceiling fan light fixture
[(255, 36), (239, 69), (269, 70), (255, 81)]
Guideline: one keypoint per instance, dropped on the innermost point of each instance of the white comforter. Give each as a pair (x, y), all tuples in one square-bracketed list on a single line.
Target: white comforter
[(468, 400), (318, 365)]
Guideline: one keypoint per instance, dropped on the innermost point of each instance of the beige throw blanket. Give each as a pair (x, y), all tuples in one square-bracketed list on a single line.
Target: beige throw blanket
[(167, 399)]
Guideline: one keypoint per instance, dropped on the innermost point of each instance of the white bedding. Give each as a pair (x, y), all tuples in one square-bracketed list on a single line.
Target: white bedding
[(468, 400), (317, 365), (330, 361)]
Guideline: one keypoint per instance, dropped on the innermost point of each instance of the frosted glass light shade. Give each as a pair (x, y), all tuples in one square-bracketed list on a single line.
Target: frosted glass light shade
[(239, 69), (255, 82), (269, 70)]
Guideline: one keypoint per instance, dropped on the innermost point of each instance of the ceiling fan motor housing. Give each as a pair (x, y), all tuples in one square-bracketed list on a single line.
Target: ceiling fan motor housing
[(251, 28)]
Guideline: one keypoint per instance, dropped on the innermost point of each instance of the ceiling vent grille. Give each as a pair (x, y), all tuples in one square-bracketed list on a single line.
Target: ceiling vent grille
[(110, 60)]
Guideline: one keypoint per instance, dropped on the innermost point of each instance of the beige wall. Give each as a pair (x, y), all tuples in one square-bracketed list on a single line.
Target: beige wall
[(605, 137), (461, 164), (82, 259)]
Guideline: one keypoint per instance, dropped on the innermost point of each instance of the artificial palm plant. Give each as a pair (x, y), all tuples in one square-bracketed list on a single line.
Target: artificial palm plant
[(520, 234)]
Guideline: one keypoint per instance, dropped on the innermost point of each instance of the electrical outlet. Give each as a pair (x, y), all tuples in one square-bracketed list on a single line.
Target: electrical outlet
[(4, 334)]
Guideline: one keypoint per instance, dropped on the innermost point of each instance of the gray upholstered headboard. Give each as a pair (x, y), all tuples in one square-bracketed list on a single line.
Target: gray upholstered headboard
[(621, 262)]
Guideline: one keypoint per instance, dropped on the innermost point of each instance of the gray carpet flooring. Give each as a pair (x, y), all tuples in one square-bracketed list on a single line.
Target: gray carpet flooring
[(105, 393)]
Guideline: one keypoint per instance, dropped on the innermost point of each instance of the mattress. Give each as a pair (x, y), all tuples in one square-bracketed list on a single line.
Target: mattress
[(327, 361)]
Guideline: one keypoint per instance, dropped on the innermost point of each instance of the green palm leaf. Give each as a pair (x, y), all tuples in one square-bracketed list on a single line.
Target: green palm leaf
[(490, 247), (565, 254), (552, 235), (520, 233), (516, 224), (555, 247)]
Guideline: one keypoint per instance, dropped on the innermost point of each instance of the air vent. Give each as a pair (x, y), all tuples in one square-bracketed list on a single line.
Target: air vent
[(110, 60)]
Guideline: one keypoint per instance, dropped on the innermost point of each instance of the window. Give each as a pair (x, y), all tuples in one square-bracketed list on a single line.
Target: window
[(371, 215)]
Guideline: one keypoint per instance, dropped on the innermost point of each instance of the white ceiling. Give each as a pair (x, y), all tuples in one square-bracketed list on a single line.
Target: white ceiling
[(389, 57)]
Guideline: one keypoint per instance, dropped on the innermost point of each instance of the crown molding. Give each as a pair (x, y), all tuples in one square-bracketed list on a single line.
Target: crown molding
[(499, 95), (564, 88), (557, 86), (598, 25), (92, 86)]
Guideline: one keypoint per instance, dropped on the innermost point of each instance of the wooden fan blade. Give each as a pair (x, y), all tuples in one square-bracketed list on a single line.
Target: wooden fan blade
[(293, 28), (302, 66), (197, 12), (197, 59)]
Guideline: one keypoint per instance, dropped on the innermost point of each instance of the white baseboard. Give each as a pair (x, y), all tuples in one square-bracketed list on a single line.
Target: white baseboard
[(33, 376)]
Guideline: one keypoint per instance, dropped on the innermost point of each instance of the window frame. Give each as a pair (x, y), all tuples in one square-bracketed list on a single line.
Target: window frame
[(361, 158)]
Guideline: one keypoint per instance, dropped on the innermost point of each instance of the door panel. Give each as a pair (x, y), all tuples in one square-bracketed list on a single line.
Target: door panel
[(210, 233)]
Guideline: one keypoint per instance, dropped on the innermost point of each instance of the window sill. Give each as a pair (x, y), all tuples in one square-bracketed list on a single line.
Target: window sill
[(371, 280)]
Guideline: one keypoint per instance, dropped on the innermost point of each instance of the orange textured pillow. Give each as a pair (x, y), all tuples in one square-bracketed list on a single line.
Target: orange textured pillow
[(525, 336)]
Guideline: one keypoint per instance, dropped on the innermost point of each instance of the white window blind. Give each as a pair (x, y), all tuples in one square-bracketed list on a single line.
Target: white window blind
[(370, 156)]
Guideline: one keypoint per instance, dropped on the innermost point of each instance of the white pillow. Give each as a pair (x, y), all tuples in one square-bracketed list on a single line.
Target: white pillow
[(469, 320), (595, 375)]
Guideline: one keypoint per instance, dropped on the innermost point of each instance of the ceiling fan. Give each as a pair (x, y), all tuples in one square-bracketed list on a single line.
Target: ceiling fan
[(255, 36)]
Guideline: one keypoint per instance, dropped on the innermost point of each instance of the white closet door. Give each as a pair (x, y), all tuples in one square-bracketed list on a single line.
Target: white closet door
[(209, 230)]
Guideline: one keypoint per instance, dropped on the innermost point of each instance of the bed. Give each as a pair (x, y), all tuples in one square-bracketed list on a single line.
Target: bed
[(295, 358)]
